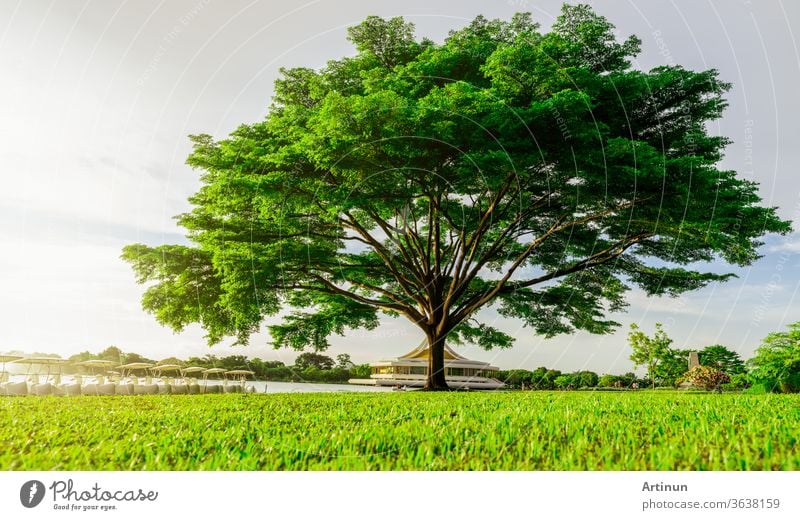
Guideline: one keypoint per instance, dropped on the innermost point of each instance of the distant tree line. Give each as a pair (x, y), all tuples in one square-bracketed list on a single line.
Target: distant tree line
[(775, 367), (544, 378), (309, 366)]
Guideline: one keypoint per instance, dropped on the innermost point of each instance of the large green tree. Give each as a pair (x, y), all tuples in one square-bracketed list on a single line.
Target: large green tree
[(312, 359), (776, 363), (672, 366), (722, 358), (652, 352), (533, 172)]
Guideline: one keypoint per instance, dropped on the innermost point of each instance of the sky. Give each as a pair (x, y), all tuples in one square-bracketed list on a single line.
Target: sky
[(97, 100)]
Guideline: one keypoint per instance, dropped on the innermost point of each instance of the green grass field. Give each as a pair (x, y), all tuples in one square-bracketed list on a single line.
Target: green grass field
[(403, 431)]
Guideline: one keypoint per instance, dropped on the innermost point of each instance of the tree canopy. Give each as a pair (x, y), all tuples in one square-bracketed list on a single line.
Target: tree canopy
[(776, 363), (533, 172), (312, 359), (722, 358), (652, 352)]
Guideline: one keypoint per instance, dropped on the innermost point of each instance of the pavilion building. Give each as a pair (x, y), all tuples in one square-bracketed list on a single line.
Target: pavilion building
[(411, 370)]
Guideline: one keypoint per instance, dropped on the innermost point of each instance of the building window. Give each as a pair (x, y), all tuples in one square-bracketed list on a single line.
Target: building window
[(419, 371), (456, 371)]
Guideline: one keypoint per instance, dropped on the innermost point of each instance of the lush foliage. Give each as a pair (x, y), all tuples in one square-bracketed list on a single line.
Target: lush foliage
[(722, 358), (776, 364), (547, 379), (563, 382), (672, 367), (312, 359), (581, 379), (403, 431), (342, 361), (624, 381), (707, 378), (543, 378), (738, 382), (667, 366), (504, 167), (651, 352)]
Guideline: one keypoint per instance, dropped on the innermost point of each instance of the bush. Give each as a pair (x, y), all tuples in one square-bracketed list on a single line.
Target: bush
[(707, 378), (759, 388), (739, 381), (790, 384)]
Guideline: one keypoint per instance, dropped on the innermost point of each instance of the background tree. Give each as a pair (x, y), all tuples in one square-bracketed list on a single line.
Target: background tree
[(776, 363), (673, 365), (536, 173), (133, 357), (721, 358), (344, 361), (172, 360), (516, 378), (195, 361), (111, 353), (361, 371), (609, 381), (564, 381), (649, 351), (236, 362), (312, 359), (585, 379), (548, 381), (628, 378), (538, 378), (740, 381), (82, 356)]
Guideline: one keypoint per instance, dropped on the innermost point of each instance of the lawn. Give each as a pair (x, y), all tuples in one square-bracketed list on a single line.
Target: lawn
[(403, 431)]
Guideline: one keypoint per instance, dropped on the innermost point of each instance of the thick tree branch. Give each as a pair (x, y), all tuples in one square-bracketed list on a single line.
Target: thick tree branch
[(406, 310), (405, 283), (503, 285)]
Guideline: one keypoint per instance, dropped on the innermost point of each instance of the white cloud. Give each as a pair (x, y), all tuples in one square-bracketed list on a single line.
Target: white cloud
[(785, 244)]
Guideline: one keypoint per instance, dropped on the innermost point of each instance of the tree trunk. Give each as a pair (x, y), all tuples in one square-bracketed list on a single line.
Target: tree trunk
[(436, 379)]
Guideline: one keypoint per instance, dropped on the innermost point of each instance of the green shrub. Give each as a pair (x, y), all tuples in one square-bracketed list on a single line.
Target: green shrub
[(707, 378), (759, 388), (739, 381)]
